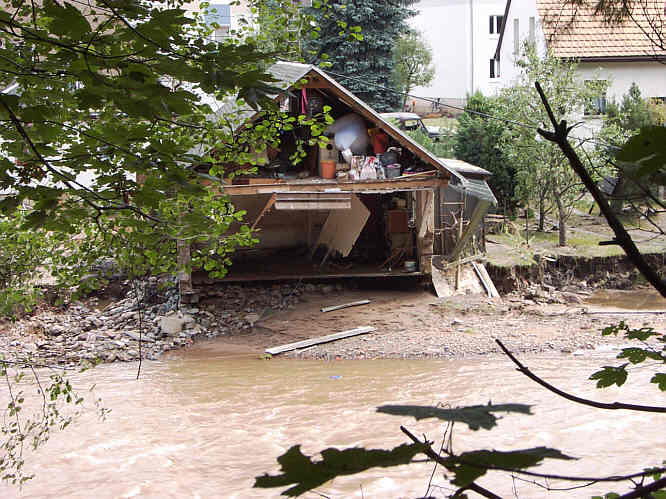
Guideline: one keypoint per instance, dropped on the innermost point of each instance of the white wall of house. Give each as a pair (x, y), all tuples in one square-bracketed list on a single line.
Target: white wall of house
[(458, 31), (650, 77), (235, 12), (522, 26)]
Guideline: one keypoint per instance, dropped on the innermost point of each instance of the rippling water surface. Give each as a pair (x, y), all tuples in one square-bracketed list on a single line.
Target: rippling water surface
[(201, 423)]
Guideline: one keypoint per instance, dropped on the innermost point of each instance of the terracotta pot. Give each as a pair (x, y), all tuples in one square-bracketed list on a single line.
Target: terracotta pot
[(328, 169)]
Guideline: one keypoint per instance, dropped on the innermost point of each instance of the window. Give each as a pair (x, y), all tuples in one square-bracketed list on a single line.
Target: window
[(532, 35), (218, 16), (516, 37), (494, 68), (596, 103), (495, 24)]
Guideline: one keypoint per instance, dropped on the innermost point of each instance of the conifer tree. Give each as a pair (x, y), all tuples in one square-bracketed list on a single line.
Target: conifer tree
[(368, 64)]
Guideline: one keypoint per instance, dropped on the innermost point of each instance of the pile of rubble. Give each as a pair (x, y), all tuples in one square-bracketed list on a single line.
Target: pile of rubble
[(144, 323)]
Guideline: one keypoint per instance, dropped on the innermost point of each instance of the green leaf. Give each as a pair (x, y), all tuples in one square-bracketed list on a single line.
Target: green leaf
[(647, 150), (306, 474), (66, 21), (610, 375)]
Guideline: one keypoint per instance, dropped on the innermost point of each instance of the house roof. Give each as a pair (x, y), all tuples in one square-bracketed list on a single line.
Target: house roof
[(289, 75), (576, 32)]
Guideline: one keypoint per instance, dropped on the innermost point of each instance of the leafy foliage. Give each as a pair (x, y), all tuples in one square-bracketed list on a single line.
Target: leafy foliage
[(118, 122), (478, 141), (368, 65), (656, 351), (542, 171), (442, 148), (22, 252), (412, 63)]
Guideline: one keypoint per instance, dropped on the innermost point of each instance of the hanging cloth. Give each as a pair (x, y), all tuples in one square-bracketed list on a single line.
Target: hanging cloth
[(304, 101)]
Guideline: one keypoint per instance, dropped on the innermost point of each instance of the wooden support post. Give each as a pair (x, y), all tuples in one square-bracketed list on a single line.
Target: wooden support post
[(437, 207), (308, 222), (460, 233), (184, 262)]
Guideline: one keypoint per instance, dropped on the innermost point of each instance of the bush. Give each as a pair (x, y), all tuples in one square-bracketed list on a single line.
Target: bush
[(478, 141), (443, 148), (22, 252)]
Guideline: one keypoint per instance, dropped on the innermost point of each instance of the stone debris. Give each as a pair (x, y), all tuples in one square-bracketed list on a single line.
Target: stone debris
[(85, 331)]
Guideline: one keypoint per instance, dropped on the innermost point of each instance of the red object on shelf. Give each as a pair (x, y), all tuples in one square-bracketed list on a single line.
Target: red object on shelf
[(380, 142)]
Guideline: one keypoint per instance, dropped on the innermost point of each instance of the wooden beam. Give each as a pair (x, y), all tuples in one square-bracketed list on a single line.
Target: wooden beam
[(184, 261), (268, 206), (369, 186), (317, 341), (345, 305)]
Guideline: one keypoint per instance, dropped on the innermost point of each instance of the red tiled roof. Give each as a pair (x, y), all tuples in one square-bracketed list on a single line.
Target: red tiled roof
[(576, 32)]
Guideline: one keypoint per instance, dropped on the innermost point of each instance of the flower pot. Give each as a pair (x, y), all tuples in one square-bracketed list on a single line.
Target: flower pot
[(328, 169)]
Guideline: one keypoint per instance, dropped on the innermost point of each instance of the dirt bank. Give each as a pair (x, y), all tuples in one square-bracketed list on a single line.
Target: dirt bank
[(410, 322), (416, 324)]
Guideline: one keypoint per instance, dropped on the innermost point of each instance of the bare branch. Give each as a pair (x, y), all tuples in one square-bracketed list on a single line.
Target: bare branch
[(599, 405)]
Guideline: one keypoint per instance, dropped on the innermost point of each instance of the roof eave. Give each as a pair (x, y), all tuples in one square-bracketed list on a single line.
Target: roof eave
[(616, 58)]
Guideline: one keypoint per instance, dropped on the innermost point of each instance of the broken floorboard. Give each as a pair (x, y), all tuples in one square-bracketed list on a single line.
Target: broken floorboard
[(345, 305), (321, 339)]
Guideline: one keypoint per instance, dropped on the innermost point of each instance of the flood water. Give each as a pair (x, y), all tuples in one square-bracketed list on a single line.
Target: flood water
[(203, 424), (635, 299)]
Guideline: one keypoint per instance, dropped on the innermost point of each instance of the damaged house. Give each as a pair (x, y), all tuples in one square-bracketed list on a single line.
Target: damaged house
[(370, 203)]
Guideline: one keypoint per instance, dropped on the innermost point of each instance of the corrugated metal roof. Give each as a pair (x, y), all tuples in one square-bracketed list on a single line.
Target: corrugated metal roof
[(464, 167), (477, 188), (289, 73)]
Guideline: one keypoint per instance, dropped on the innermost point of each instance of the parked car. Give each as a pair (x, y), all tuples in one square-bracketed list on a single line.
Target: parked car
[(412, 121)]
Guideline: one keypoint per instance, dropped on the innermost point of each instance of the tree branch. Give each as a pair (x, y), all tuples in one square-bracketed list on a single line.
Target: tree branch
[(559, 137), (599, 405), (428, 451)]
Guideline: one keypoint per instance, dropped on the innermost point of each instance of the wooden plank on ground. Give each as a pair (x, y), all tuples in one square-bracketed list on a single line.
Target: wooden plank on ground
[(345, 305), (321, 339), (491, 285), (485, 279)]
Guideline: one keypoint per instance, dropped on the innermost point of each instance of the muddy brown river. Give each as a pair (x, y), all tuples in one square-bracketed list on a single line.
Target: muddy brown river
[(202, 424)]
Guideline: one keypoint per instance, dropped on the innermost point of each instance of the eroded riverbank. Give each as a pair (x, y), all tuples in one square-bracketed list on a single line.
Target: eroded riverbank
[(409, 321)]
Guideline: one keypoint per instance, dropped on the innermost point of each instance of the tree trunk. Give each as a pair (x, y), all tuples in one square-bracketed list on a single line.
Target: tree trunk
[(542, 213), (617, 198), (562, 221)]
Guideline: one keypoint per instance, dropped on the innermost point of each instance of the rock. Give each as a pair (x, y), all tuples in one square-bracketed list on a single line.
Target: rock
[(571, 297), (172, 325), (252, 318), (137, 337)]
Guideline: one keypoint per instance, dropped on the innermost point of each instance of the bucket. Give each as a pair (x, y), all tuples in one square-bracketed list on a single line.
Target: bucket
[(392, 171), (328, 169)]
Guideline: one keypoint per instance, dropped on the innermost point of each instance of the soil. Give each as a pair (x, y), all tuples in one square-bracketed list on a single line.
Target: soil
[(415, 324)]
